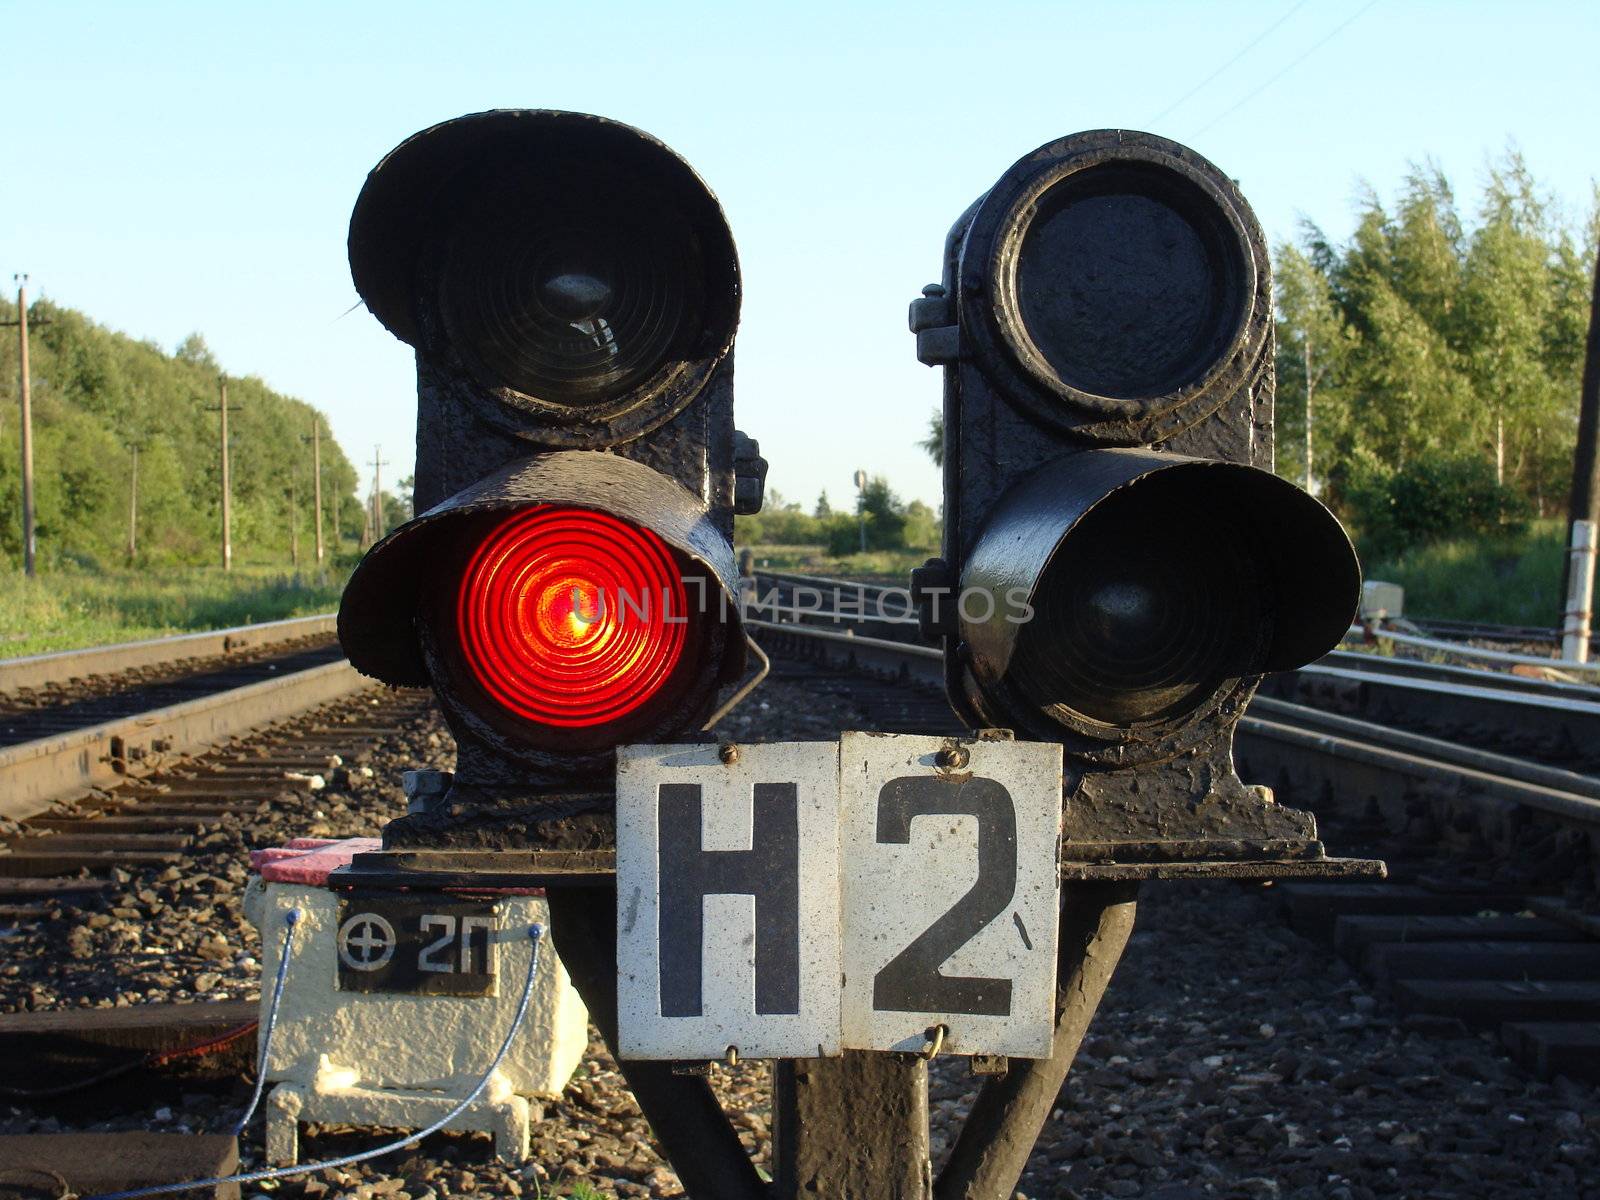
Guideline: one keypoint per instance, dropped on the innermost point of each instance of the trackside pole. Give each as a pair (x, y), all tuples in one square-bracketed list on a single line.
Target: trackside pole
[(856, 1126), (683, 1112), (1578, 616), (1000, 1131), (1584, 504)]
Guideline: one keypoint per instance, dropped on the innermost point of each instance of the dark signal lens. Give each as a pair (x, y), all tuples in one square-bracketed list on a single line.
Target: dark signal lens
[(1129, 283), (571, 617), (574, 295), (1153, 601)]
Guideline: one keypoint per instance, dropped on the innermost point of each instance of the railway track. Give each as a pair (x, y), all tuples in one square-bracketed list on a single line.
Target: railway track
[(124, 664), (127, 986), (78, 849), (1492, 845), (164, 750), (94, 718), (1486, 632)]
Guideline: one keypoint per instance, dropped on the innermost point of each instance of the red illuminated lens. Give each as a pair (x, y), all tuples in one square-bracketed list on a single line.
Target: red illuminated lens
[(571, 617)]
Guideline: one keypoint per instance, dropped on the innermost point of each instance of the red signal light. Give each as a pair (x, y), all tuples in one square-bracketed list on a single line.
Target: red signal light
[(571, 617)]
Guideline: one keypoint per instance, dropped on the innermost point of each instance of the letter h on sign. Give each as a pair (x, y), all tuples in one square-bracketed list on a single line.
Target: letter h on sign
[(720, 868), (769, 871)]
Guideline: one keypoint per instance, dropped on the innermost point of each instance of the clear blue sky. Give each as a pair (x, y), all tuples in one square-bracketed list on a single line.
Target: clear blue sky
[(170, 167)]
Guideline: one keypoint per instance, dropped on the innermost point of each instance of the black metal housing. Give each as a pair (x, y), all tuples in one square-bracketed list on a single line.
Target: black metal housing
[(452, 221), (571, 289), (1105, 327)]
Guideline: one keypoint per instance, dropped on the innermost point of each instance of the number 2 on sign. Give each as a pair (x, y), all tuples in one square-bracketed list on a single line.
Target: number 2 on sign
[(911, 981)]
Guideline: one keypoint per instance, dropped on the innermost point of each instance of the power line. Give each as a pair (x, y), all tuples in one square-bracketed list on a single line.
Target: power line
[(1333, 33), (1254, 42)]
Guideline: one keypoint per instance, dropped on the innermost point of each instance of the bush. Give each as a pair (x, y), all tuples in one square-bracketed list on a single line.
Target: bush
[(885, 520), (890, 524), (1431, 499)]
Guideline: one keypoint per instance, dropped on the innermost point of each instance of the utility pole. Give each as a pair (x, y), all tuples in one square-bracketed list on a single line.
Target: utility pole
[(1305, 350), (378, 463), (1583, 513), (29, 547), (861, 506), (294, 523), (133, 506), (316, 479), (227, 483)]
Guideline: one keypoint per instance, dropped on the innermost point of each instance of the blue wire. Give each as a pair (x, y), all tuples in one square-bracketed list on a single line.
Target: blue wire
[(535, 933), (289, 919)]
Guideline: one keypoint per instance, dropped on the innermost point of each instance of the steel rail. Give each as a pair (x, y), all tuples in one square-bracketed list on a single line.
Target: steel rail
[(1471, 782), (1445, 628), (1453, 754), (35, 774), (62, 666), (876, 655), (823, 581), (1460, 651), (1587, 705), (828, 614), (1416, 668)]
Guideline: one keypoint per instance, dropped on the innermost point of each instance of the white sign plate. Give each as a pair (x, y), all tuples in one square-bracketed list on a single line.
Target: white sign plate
[(818, 896), (728, 901), (952, 894)]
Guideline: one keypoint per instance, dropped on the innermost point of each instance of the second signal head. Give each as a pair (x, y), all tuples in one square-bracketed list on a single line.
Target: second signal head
[(1104, 323)]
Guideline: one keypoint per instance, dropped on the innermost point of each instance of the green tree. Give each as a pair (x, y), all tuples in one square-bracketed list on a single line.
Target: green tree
[(933, 444), (98, 394), (884, 516), (1428, 346)]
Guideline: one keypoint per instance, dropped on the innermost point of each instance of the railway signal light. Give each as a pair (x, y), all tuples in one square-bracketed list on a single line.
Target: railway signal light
[(571, 290), (1120, 565)]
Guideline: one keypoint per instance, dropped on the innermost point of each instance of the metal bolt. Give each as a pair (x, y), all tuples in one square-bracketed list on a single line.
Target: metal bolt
[(425, 788), (728, 753), (951, 758)]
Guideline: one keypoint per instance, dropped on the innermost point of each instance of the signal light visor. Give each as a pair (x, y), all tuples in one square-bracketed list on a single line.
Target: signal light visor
[(1155, 584), (570, 617)]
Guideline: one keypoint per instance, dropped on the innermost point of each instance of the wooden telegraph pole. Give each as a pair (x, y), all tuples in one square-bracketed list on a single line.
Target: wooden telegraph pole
[(316, 479), (133, 506), (29, 547), (227, 483), (1305, 350), (294, 523), (861, 506), (378, 463), (1583, 512)]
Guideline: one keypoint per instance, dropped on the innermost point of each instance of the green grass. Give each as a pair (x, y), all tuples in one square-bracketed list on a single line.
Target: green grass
[(881, 566), (68, 609), (1513, 580)]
